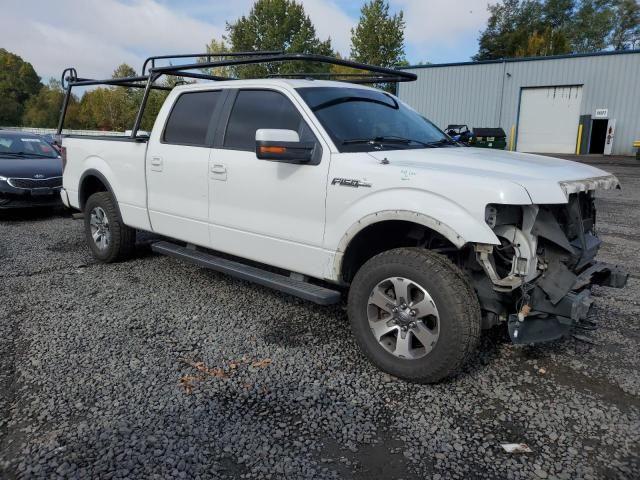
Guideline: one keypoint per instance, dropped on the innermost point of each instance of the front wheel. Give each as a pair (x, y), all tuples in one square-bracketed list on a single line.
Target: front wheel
[(414, 315), (109, 239)]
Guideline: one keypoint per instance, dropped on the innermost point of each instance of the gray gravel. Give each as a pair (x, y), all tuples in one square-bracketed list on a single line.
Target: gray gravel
[(154, 368)]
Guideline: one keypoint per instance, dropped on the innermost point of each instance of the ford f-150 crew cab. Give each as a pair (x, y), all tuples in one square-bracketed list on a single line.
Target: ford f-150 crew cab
[(314, 187)]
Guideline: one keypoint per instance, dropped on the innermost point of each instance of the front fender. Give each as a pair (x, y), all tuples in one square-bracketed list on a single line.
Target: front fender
[(440, 214)]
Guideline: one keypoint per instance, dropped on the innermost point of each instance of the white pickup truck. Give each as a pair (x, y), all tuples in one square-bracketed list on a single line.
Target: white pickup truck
[(314, 187)]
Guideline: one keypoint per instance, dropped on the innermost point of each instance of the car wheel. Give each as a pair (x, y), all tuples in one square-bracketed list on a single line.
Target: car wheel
[(109, 239), (414, 315)]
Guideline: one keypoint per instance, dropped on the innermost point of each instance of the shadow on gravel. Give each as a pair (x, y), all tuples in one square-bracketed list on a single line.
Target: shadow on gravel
[(33, 214), (293, 331), (381, 460)]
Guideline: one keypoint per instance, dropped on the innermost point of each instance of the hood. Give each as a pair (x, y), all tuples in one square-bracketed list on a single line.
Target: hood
[(545, 179), (28, 167)]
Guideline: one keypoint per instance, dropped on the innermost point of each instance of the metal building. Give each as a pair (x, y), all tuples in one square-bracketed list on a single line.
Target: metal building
[(587, 103)]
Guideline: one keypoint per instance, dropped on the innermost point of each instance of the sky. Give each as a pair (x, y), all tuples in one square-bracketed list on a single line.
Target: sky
[(96, 36)]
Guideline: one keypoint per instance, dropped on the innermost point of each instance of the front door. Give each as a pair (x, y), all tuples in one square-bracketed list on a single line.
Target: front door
[(265, 210), (177, 164)]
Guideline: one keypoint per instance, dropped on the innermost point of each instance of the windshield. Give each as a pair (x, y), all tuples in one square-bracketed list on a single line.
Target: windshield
[(365, 120), (25, 146)]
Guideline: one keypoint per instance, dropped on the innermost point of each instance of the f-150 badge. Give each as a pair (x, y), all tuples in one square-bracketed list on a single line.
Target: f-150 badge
[(350, 182)]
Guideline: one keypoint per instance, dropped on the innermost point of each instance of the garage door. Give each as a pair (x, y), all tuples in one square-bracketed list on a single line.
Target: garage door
[(549, 119)]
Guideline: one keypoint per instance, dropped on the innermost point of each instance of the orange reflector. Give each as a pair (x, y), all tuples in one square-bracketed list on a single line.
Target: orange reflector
[(272, 149)]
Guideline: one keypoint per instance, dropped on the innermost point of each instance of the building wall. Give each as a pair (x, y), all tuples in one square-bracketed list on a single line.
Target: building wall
[(488, 94)]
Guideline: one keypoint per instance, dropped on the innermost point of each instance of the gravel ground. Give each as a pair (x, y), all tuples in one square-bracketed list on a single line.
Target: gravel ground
[(153, 368)]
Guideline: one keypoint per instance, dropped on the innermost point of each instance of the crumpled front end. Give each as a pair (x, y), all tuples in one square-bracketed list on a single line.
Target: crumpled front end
[(539, 278)]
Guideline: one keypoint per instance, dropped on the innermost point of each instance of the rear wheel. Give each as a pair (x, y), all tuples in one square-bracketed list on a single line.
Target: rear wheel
[(109, 239), (414, 315)]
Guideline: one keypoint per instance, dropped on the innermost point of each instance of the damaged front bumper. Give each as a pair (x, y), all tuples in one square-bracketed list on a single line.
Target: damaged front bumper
[(539, 278), (551, 318)]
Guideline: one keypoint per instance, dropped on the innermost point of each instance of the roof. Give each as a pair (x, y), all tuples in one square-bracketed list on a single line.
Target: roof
[(524, 59), (272, 82), (18, 133)]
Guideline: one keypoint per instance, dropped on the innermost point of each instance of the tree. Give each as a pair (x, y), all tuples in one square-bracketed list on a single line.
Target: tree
[(277, 25), (116, 107), (519, 28), (111, 108), (551, 27), (18, 82), (591, 26), (541, 44), (378, 39), (558, 14), (216, 46), (496, 40), (43, 108), (124, 71), (626, 29)]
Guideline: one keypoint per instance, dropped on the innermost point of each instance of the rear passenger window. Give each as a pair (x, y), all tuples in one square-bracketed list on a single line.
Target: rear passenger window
[(189, 119), (255, 109)]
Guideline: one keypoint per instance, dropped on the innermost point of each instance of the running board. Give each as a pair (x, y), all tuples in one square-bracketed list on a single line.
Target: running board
[(298, 288)]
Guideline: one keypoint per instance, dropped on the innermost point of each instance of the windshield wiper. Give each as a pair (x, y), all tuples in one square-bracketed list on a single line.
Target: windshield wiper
[(385, 139), (25, 154), (441, 142)]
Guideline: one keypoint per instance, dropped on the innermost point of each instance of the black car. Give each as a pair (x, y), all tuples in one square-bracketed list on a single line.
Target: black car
[(30, 171)]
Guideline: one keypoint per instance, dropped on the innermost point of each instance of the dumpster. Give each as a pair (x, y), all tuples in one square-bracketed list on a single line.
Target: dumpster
[(489, 138)]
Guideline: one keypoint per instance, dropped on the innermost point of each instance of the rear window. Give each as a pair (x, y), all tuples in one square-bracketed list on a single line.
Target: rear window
[(189, 120)]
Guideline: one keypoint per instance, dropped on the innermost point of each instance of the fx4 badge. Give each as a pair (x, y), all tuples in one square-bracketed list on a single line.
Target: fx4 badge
[(350, 182)]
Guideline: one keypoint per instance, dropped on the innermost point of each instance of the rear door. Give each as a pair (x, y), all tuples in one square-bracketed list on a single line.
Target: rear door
[(177, 165), (264, 210)]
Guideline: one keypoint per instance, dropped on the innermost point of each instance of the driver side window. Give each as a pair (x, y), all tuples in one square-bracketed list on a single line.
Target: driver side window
[(256, 109)]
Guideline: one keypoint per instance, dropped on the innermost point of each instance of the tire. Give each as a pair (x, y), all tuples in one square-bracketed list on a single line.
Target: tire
[(113, 241), (441, 315)]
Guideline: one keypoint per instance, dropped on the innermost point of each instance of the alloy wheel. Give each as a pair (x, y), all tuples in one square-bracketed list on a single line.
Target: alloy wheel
[(403, 318), (100, 228)]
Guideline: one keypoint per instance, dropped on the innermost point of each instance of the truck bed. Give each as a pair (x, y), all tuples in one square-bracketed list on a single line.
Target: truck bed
[(114, 160)]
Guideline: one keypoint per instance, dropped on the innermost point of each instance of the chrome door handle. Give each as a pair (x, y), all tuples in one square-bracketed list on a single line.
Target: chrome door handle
[(156, 163), (218, 172)]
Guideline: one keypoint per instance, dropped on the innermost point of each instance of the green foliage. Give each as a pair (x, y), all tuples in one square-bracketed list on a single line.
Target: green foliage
[(378, 38), (551, 27), (154, 104), (216, 46), (18, 82), (591, 26), (276, 25), (43, 108), (626, 25), (547, 42), (123, 71), (115, 108), (106, 108)]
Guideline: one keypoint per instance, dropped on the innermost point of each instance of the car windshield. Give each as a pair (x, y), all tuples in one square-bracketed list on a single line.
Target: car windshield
[(366, 120), (25, 146)]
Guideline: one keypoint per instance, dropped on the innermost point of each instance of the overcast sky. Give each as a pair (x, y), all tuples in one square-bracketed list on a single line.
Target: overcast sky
[(95, 36)]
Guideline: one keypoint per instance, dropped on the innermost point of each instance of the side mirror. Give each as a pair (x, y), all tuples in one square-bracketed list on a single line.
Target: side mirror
[(282, 146)]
